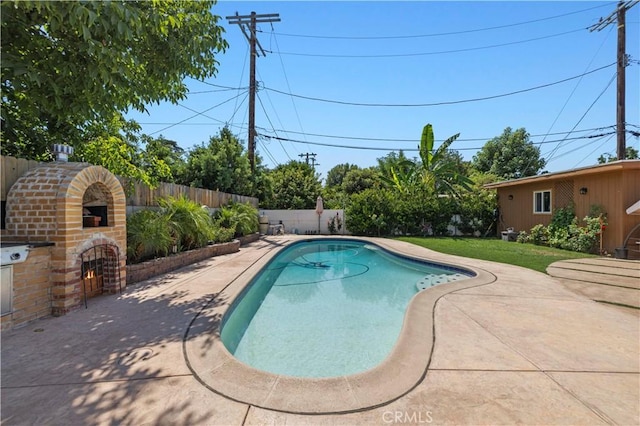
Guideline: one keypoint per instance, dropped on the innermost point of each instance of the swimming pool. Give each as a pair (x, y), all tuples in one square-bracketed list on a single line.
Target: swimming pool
[(327, 308)]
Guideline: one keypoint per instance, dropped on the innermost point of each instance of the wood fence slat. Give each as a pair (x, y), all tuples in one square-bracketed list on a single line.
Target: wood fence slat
[(140, 195)]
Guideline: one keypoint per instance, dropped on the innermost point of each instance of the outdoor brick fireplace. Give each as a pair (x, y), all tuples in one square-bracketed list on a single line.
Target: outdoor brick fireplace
[(81, 209)]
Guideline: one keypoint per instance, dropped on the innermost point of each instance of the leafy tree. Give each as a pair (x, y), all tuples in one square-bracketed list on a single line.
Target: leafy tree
[(510, 155), (630, 154), (221, 165), (396, 161), (336, 175), (162, 159), (68, 64), (357, 180), (114, 145), (354, 181), (296, 185)]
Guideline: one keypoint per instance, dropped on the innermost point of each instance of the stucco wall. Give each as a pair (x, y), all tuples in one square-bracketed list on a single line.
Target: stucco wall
[(302, 222)]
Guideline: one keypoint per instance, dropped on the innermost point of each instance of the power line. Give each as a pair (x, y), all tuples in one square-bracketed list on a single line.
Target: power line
[(597, 148), (552, 153), (439, 34), (286, 79), (372, 139), (269, 120), (578, 83), (379, 148), (437, 140), (310, 98), (193, 116), (223, 87), (440, 52)]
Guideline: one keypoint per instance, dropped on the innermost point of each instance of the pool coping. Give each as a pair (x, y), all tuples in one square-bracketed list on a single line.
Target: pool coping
[(404, 368)]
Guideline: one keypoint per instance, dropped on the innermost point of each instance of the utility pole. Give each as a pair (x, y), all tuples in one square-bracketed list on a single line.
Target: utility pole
[(619, 17), (247, 24), (313, 158)]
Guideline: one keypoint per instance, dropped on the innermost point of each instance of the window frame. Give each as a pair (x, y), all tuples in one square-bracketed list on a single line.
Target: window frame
[(542, 192)]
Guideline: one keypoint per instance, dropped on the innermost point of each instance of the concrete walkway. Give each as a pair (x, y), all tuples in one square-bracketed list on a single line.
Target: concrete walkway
[(522, 349)]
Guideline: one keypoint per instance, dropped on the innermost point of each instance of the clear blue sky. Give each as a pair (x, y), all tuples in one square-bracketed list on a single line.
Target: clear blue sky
[(407, 53)]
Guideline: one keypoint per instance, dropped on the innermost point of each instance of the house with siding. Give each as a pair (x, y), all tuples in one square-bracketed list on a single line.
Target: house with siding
[(613, 187)]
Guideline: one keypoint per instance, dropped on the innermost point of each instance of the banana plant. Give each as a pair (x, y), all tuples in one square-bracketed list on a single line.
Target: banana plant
[(436, 170)]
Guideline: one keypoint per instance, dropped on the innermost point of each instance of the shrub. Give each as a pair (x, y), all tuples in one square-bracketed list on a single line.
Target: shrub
[(334, 224), (223, 235), (476, 211), (539, 235), (189, 223), (148, 236), (372, 212), (241, 218), (568, 234)]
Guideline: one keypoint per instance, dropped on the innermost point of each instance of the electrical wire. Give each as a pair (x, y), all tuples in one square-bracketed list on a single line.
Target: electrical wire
[(236, 106), (440, 52), (284, 72), (579, 80), (439, 103), (437, 140), (531, 160), (269, 120), (591, 153), (440, 34), (193, 116), (552, 153), (379, 148), (372, 139)]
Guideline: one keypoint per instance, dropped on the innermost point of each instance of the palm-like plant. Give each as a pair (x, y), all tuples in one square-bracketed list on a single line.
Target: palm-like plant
[(436, 170), (148, 235), (242, 218), (189, 223)]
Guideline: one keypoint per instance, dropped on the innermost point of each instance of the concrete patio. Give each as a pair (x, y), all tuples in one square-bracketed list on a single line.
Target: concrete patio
[(522, 349)]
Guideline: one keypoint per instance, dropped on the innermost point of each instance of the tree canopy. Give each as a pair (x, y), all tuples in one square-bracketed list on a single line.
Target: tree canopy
[(336, 175), (296, 185), (630, 153), (69, 64), (510, 155), (220, 165)]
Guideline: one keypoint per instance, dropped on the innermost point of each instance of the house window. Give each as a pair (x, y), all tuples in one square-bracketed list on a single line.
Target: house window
[(542, 201)]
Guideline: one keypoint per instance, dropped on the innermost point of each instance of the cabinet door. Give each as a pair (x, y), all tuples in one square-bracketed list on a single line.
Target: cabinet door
[(6, 290)]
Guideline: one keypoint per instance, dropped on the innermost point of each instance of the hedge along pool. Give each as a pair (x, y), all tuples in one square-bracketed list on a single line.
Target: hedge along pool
[(326, 308)]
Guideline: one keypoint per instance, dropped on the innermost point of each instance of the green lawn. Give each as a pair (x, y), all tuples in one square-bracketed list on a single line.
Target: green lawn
[(526, 255)]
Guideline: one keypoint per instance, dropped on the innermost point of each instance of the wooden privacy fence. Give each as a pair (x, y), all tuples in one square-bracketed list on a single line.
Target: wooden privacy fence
[(139, 195)]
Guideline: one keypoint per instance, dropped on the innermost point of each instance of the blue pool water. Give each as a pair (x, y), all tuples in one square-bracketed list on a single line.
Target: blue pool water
[(326, 308)]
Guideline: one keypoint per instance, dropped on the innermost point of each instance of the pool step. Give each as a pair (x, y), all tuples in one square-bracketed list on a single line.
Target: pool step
[(430, 280), (613, 281)]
